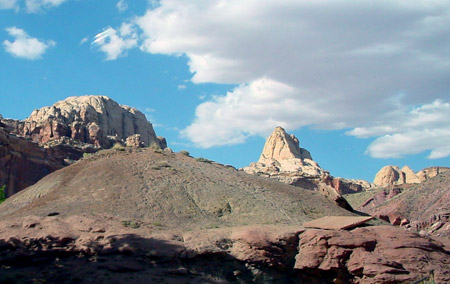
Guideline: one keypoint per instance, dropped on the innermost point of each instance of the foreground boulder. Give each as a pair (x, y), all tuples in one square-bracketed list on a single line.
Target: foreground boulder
[(82, 249)]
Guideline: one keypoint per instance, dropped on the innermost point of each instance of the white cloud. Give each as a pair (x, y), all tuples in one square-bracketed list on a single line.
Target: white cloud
[(182, 87), (327, 64), (8, 4), (116, 42), (424, 128), (33, 6), (25, 46), (122, 6)]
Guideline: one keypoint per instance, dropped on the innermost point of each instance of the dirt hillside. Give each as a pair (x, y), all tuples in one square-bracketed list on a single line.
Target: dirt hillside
[(171, 189)]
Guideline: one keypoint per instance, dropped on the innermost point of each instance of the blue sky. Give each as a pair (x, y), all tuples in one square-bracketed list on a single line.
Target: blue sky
[(361, 84)]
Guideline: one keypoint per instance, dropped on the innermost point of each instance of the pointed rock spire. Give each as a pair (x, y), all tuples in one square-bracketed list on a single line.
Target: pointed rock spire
[(282, 146)]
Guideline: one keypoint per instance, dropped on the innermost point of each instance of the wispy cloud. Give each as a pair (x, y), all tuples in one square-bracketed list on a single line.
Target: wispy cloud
[(182, 87), (24, 46), (8, 4), (114, 43), (122, 6), (31, 6)]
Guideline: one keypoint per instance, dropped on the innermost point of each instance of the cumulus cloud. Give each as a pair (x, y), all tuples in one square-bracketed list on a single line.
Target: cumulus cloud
[(25, 46), (326, 64), (424, 128), (115, 43)]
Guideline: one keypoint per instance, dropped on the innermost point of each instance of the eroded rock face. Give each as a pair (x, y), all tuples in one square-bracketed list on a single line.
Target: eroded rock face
[(22, 162), (103, 250), (393, 175), (88, 119), (378, 254)]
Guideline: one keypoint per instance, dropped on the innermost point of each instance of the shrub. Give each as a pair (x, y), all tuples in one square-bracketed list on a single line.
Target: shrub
[(203, 160), (2, 193), (118, 147), (184, 152), (131, 224)]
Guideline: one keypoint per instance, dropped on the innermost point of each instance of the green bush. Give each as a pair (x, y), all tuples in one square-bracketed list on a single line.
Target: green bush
[(131, 224), (184, 152), (203, 160), (118, 147), (2, 193)]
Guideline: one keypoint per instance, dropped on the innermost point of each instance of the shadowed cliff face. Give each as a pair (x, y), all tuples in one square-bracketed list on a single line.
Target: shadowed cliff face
[(22, 162)]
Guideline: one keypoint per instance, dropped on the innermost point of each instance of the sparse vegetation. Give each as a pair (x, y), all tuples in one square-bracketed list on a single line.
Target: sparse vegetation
[(85, 155), (160, 165), (118, 147), (2, 193), (131, 224), (203, 160), (184, 152), (155, 147)]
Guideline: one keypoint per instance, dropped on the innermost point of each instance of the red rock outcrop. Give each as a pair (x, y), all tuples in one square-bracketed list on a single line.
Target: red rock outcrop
[(420, 207), (22, 162), (378, 254), (104, 250)]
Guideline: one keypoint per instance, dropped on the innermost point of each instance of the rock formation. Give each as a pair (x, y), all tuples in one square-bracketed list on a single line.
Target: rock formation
[(22, 162), (421, 207), (283, 159), (393, 175), (67, 130), (96, 120)]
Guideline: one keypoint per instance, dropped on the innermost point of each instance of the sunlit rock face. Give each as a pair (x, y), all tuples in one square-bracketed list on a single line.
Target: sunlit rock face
[(97, 120)]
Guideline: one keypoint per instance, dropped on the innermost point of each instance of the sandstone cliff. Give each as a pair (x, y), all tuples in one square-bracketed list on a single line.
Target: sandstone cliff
[(283, 159), (22, 162), (97, 120), (55, 136), (393, 175)]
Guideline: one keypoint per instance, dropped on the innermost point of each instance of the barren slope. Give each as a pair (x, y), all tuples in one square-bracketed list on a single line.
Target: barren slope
[(426, 205), (174, 190)]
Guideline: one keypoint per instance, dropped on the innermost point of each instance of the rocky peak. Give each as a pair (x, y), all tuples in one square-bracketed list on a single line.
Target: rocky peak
[(96, 120), (283, 159), (393, 175), (282, 146)]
